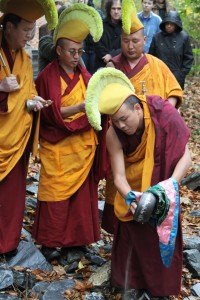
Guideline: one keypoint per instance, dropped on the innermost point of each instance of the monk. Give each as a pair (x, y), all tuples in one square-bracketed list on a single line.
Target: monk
[(67, 209), (16, 122), (147, 144), (149, 76)]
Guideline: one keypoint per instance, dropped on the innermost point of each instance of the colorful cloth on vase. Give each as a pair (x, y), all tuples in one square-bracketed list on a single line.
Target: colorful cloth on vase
[(166, 213)]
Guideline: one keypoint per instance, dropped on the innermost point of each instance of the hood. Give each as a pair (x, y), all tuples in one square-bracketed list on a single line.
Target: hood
[(172, 17)]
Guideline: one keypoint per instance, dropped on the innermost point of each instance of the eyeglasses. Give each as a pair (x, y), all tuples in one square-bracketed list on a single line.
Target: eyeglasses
[(73, 52)]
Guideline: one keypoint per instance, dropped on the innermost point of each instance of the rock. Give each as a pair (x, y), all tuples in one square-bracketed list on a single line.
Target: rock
[(195, 213), (49, 295), (192, 243), (196, 290), (192, 259), (6, 279), (71, 268), (41, 287), (24, 279), (26, 235), (8, 297), (32, 189), (61, 285), (192, 181), (95, 259), (29, 256), (53, 290), (101, 275), (31, 202), (107, 248), (94, 296), (74, 255)]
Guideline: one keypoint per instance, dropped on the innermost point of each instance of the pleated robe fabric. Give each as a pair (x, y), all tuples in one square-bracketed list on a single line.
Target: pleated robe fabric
[(136, 260)]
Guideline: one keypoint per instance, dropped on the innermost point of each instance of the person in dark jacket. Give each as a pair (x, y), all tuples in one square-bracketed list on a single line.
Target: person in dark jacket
[(89, 56), (110, 42), (172, 45)]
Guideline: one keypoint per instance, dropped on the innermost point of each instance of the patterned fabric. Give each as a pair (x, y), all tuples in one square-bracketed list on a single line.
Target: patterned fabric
[(167, 211)]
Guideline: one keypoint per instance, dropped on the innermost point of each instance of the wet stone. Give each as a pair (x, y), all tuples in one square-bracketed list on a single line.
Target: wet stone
[(196, 290), (101, 275), (61, 285), (32, 189), (192, 243), (95, 259), (6, 279), (31, 202), (94, 296), (71, 268), (41, 287), (49, 295), (74, 255), (195, 213), (8, 297), (30, 257), (192, 259), (23, 279)]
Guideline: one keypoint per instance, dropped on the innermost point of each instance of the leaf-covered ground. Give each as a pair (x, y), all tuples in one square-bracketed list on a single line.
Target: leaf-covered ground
[(190, 201)]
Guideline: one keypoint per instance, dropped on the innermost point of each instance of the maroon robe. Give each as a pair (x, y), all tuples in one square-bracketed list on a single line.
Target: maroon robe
[(121, 63), (108, 218), (74, 221), (136, 260)]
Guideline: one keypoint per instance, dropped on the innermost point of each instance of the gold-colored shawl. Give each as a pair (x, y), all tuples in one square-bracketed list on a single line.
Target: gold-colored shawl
[(16, 123), (66, 164), (139, 164)]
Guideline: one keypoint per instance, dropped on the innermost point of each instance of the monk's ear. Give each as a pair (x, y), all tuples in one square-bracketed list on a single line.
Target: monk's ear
[(137, 106), (58, 50), (9, 27)]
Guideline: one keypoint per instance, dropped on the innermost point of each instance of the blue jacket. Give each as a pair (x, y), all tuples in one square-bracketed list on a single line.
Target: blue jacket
[(151, 27)]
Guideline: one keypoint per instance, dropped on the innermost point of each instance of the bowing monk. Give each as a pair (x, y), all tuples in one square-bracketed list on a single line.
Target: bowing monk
[(67, 209), (147, 144), (16, 121), (149, 76)]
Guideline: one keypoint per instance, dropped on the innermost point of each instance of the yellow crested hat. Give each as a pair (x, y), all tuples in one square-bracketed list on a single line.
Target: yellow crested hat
[(31, 10), (107, 90), (77, 21), (130, 20)]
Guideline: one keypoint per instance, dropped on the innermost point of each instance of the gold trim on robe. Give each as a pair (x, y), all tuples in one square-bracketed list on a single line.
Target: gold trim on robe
[(139, 164), (66, 164)]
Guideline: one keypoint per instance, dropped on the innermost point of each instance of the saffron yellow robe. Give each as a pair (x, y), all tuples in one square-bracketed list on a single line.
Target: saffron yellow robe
[(16, 122)]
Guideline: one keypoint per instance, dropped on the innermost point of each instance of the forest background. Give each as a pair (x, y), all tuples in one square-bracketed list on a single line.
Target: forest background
[(189, 11)]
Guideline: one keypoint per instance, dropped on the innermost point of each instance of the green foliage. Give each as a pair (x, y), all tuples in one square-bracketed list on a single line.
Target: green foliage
[(195, 70), (190, 14)]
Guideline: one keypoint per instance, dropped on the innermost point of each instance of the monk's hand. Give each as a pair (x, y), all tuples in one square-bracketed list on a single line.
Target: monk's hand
[(133, 207), (106, 58), (39, 103), (132, 198), (9, 84)]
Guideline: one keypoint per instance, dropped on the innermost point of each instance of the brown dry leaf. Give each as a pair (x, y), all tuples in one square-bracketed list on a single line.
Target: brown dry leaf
[(36, 272), (19, 269), (59, 270), (69, 294), (81, 286)]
